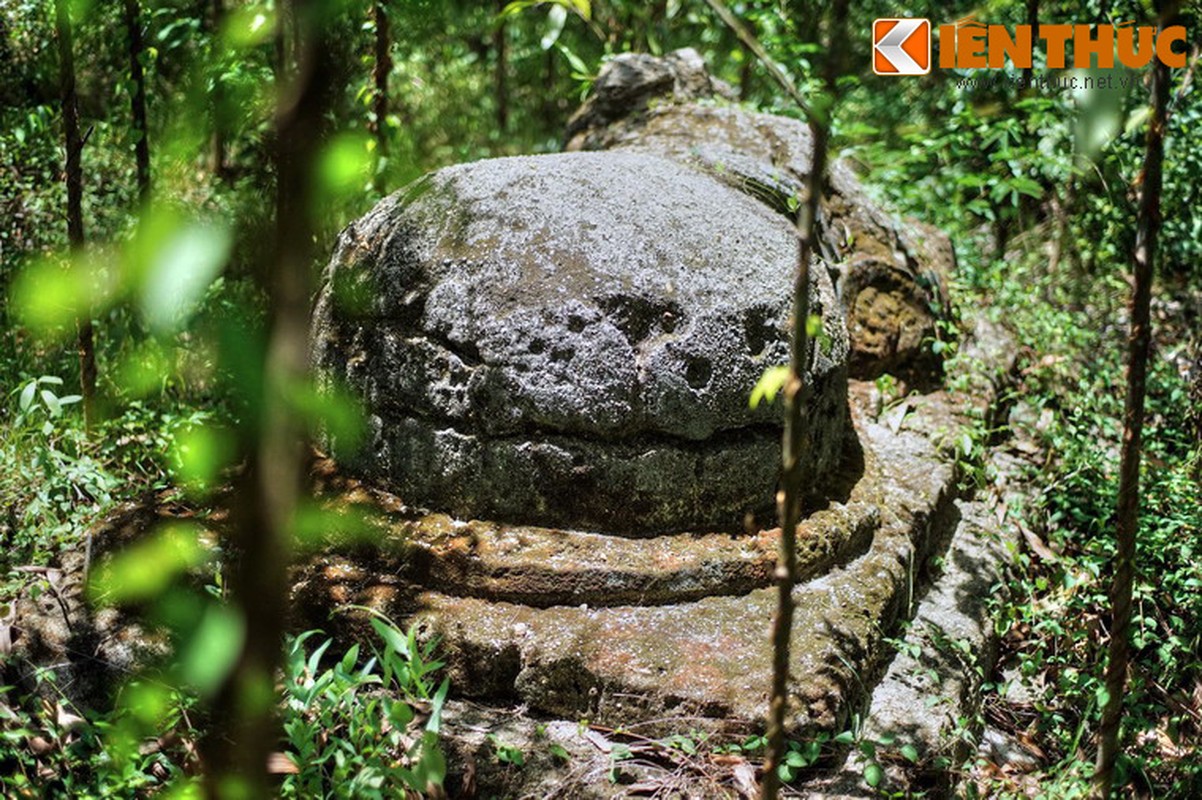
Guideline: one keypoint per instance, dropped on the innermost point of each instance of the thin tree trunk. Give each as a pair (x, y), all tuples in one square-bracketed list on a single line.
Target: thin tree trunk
[(137, 100), (1138, 340), (747, 69), (1062, 212), (501, 77), (550, 93), (217, 144), (383, 66), (797, 436), (1033, 21), (74, 175), (272, 484)]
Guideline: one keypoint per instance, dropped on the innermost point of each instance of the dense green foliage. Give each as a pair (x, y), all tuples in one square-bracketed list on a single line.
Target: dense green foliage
[(1035, 187)]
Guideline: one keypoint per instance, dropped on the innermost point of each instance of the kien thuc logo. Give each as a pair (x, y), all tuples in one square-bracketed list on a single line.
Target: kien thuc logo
[(901, 46), (904, 46)]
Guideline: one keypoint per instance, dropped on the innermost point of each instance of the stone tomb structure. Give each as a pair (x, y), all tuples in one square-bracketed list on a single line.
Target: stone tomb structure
[(556, 354)]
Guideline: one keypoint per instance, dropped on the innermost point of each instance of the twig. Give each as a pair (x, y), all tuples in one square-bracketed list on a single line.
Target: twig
[(778, 74)]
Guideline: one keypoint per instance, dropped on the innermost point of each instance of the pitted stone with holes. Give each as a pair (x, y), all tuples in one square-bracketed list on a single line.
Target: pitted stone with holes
[(571, 340)]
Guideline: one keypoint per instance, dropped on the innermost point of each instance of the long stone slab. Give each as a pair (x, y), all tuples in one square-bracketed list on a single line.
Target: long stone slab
[(934, 683)]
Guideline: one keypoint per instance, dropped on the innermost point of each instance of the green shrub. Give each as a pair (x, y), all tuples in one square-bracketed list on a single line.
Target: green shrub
[(363, 728)]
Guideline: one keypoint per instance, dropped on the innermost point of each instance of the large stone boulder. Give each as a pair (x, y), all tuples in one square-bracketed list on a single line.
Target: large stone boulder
[(891, 274), (570, 340)]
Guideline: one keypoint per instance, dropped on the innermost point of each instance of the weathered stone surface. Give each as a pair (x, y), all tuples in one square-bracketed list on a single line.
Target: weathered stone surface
[(63, 647), (892, 273), (541, 567), (617, 631), (655, 655), (571, 340), (571, 760), (631, 80), (935, 682), (705, 660)]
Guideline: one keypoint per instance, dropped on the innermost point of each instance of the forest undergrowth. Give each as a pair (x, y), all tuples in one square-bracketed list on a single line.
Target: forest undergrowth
[(1040, 209)]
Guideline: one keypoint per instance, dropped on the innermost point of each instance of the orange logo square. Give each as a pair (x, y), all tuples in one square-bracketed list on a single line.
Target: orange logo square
[(901, 46)]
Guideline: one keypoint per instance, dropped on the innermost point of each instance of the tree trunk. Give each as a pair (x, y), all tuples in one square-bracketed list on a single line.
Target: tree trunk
[(271, 486), (74, 175), (747, 69), (797, 435), (137, 100), (1033, 21), (501, 77), (550, 94), (1138, 340), (217, 144), (383, 66)]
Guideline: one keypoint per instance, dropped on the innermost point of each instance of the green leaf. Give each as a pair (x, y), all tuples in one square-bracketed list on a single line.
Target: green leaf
[(433, 763), (436, 704), (393, 639), (249, 26), (200, 453), (50, 297), (184, 262), (27, 395), (317, 525), (580, 68), (910, 753), (873, 774), (350, 658), (51, 401), (769, 384), (332, 410), (400, 714), (345, 164), (556, 18), (212, 649), (144, 570), (1027, 186)]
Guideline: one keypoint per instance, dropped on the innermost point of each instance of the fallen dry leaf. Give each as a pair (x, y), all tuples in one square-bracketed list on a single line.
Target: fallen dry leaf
[(281, 764), (745, 782), (39, 746), (68, 721)]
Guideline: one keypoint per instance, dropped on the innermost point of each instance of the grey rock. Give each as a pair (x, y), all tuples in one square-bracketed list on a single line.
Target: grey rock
[(630, 81), (68, 649), (892, 274), (1003, 750), (571, 340)]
